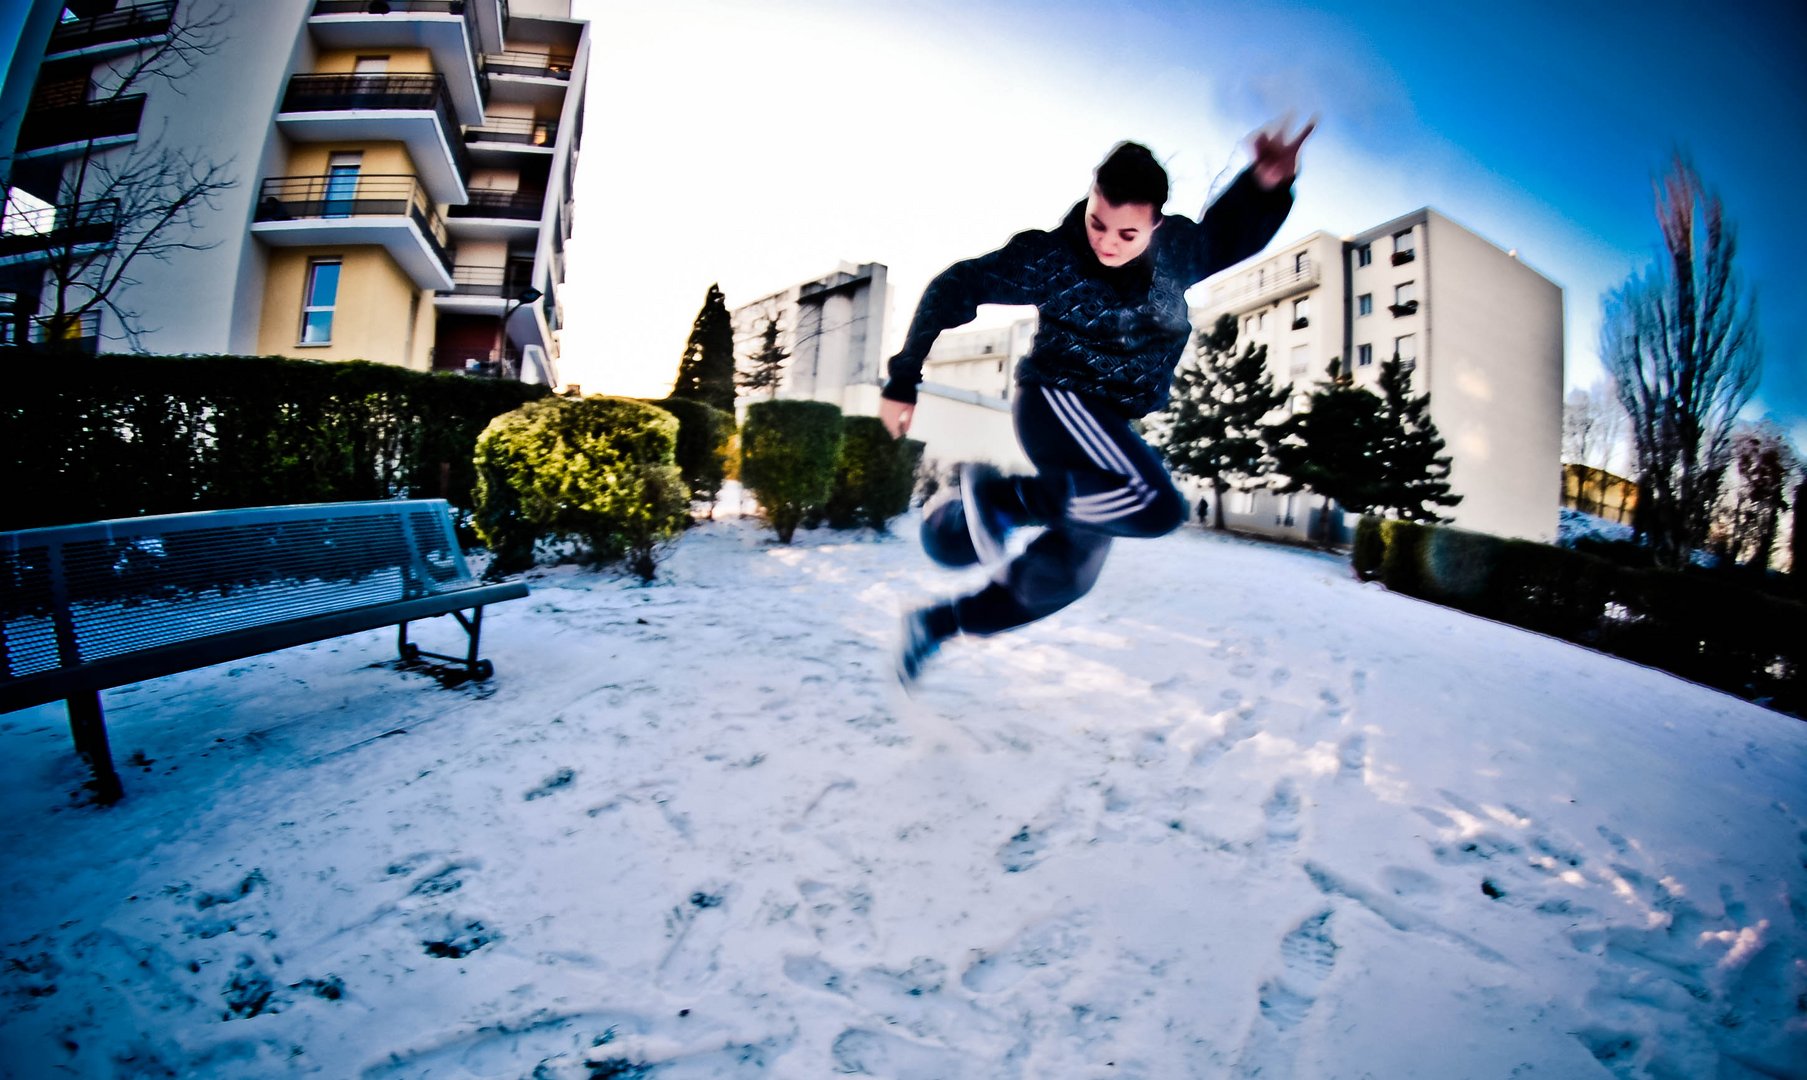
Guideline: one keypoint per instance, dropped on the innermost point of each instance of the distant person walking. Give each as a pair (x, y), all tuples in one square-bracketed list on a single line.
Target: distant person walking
[(1109, 286)]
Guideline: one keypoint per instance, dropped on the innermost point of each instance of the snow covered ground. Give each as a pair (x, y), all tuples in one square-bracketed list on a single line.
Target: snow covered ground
[(1233, 815)]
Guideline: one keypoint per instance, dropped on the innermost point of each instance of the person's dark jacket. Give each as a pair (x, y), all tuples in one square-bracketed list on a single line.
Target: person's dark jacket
[(1109, 332)]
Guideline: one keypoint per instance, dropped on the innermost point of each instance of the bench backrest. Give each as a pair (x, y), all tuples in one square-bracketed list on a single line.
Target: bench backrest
[(76, 593)]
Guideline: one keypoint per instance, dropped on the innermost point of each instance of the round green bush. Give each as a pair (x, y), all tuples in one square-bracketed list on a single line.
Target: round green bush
[(788, 453), (874, 478), (598, 470), (705, 434)]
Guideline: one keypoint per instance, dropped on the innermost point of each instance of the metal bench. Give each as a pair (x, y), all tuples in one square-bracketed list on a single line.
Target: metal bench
[(84, 608)]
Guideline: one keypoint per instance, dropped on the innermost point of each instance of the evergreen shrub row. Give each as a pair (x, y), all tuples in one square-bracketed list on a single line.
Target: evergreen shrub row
[(1695, 624), (806, 463), (705, 436), (124, 436)]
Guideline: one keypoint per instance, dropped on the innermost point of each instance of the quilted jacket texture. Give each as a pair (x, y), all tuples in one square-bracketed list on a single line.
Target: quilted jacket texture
[(1114, 333)]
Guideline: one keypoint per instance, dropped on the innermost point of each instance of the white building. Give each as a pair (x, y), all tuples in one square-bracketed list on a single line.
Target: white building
[(832, 327), (403, 176), (1480, 331)]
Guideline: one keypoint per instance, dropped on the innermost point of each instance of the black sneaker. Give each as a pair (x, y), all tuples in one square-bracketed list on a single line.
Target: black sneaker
[(944, 535), (984, 522), (915, 644)]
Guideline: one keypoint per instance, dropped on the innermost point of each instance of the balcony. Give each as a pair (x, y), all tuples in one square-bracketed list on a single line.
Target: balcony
[(70, 334), (490, 283), (531, 65), (72, 129), (41, 234), (1400, 258), (395, 212), (112, 32), (411, 109), (1410, 307), (497, 215), (514, 134), (1250, 289), (445, 28)]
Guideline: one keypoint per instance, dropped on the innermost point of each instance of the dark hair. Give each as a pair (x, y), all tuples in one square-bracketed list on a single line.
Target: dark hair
[(1130, 174)]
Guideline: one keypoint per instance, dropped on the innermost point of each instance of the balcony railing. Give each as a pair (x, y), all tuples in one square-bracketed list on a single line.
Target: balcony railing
[(1252, 289), (518, 205), (72, 333), (533, 65), (417, 92), (476, 362), (510, 130), (114, 27), (491, 281), (414, 7), (297, 198), (54, 227), (70, 125)]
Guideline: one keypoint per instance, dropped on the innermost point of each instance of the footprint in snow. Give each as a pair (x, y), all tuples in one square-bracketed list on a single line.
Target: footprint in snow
[(1046, 945)]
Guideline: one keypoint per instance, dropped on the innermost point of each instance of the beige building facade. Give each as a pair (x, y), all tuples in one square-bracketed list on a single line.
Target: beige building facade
[(402, 177), (1480, 332)]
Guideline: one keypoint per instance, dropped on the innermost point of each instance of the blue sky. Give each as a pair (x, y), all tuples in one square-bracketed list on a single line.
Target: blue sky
[(919, 133)]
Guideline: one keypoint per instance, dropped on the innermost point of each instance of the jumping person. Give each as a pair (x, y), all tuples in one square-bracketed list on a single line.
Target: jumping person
[(1109, 286)]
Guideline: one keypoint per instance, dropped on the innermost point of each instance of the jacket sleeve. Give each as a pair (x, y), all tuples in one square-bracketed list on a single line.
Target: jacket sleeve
[(1237, 225), (1009, 275)]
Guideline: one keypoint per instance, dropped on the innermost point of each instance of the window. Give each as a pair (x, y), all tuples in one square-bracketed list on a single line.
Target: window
[(342, 184), (1302, 308), (1301, 359), (1364, 254), (1403, 247), (1364, 304), (371, 65), (1261, 279), (1406, 348), (1405, 299), (1261, 323), (1300, 263), (1364, 355), (318, 302)]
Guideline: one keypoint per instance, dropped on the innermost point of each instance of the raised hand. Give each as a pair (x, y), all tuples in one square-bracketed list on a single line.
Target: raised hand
[(1276, 156)]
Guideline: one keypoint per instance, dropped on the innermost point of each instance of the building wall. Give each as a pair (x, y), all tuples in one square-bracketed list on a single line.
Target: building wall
[(380, 158), (1494, 329), (402, 60), (193, 303), (958, 425), (373, 291)]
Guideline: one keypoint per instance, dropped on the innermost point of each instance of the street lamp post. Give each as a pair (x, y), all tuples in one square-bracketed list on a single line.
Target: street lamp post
[(527, 296)]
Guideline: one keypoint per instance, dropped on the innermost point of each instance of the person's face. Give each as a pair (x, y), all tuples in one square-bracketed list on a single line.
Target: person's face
[(1118, 233)]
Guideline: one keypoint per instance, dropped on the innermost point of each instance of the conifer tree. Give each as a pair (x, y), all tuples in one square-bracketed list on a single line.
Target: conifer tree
[(1213, 426), (706, 373), (765, 368), (1334, 448), (1415, 471)]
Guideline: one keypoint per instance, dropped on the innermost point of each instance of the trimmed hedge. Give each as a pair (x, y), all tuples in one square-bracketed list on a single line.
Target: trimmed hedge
[(875, 476), (596, 469), (124, 436), (788, 454), (1699, 625), (705, 434)]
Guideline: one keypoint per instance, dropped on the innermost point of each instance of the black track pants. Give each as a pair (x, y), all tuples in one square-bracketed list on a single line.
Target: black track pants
[(1095, 479)]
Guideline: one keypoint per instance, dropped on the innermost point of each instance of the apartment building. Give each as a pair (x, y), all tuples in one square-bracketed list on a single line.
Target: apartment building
[(1480, 332), (402, 175), (832, 327)]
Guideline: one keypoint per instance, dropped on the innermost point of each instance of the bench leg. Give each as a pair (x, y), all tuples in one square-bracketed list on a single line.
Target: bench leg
[(89, 726), (473, 628)]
